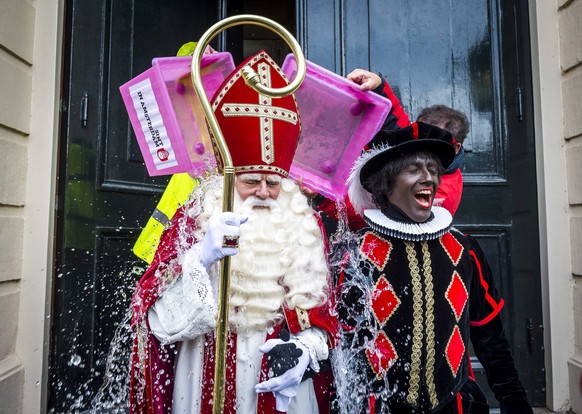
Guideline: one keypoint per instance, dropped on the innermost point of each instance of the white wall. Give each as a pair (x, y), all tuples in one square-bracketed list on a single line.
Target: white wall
[(548, 34), (30, 43), (17, 25), (37, 269)]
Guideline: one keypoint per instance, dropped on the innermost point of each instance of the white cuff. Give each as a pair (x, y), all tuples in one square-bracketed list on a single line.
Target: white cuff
[(315, 340), (187, 308)]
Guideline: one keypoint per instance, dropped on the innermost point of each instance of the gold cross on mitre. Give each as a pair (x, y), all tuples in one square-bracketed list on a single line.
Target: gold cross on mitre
[(265, 112)]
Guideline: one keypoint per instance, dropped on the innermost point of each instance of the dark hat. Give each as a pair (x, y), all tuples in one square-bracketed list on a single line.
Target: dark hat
[(390, 145), (414, 138)]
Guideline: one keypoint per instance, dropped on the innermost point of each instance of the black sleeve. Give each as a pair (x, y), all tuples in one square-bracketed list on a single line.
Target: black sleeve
[(492, 349)]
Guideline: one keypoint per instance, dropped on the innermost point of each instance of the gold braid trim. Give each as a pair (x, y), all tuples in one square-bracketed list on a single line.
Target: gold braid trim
[(141, 334), (430, 345), (140, 367), (303, 318), (414, 382), (261, 168)]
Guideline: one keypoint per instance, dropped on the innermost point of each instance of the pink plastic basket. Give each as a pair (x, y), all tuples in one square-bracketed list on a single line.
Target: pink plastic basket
[(167, 117), (337, 121)]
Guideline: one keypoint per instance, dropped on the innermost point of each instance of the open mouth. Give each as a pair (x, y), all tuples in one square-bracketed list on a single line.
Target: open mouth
[(424, 198)]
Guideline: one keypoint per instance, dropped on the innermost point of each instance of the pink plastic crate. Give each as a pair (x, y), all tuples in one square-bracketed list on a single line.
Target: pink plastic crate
[(167, 117), (337, 120)]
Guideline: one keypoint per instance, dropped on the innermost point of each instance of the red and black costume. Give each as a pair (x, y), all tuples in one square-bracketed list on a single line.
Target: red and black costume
[(411, 295), (411, 308)]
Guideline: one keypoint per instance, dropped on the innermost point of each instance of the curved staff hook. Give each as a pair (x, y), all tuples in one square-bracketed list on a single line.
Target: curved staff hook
[(251, 79)]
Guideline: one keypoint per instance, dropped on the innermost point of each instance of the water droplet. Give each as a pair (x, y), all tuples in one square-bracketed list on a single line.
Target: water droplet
[(75, 360)]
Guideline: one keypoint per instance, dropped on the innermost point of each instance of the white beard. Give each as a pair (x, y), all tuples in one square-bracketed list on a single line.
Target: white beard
[(281, 259), (256, 270)]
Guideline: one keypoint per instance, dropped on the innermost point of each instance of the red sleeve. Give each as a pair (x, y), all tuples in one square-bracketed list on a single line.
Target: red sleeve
[(450, 191), (402, 119), (321, 317), (329, 208)]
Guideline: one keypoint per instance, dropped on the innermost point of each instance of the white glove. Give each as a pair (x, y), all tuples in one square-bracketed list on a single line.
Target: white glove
[(282, 402), (285, 386), (212, 247)]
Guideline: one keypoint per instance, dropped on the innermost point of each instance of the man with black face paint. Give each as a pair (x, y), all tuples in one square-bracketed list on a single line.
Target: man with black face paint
[(412, 291)]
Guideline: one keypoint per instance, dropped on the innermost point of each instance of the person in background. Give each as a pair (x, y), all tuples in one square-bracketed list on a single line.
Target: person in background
[(442, 116), (451, 187)]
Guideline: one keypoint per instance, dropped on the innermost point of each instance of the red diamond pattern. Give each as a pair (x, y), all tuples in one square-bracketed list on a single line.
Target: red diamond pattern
[(453, 248), (457, 295), (384, 300), (455, 350), (381, 354), (376, 250)]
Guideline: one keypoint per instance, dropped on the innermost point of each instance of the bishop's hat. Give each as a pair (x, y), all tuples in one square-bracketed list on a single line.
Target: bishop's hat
[(261, 132)]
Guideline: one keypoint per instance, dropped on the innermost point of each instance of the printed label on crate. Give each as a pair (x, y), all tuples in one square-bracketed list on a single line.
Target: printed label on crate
[(152, 125)]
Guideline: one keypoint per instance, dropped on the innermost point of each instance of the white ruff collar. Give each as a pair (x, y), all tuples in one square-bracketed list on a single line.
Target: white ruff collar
[(429, 230)]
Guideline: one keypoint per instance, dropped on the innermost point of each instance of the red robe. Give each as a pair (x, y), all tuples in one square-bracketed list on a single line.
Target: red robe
[(152, 364)]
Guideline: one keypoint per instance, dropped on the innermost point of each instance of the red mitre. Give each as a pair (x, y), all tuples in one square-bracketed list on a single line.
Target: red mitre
[(261, 132)]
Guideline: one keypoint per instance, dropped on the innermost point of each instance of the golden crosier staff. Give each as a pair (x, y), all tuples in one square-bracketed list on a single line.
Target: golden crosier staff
[(251, 79)]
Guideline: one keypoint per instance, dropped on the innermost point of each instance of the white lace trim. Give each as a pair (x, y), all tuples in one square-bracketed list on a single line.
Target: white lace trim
[(187, 308), (429, 230), (315, 340)]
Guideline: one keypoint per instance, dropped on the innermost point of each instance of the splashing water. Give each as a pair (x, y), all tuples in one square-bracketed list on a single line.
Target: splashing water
[(113, 395), (351, 371), (110, 371)]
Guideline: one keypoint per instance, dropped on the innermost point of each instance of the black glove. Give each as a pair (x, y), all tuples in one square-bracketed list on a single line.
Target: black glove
[(284, 356)]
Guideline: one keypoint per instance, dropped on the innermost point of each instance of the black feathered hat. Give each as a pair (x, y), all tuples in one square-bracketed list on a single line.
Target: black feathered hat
[(389, 145)]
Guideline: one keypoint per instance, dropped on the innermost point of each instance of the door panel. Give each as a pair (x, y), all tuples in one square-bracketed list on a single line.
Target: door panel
[(471, 56), (105, 194), (526, 326)]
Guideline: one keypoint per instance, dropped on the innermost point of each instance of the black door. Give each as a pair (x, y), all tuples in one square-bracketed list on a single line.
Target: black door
[(473, 56), (105, 194)]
